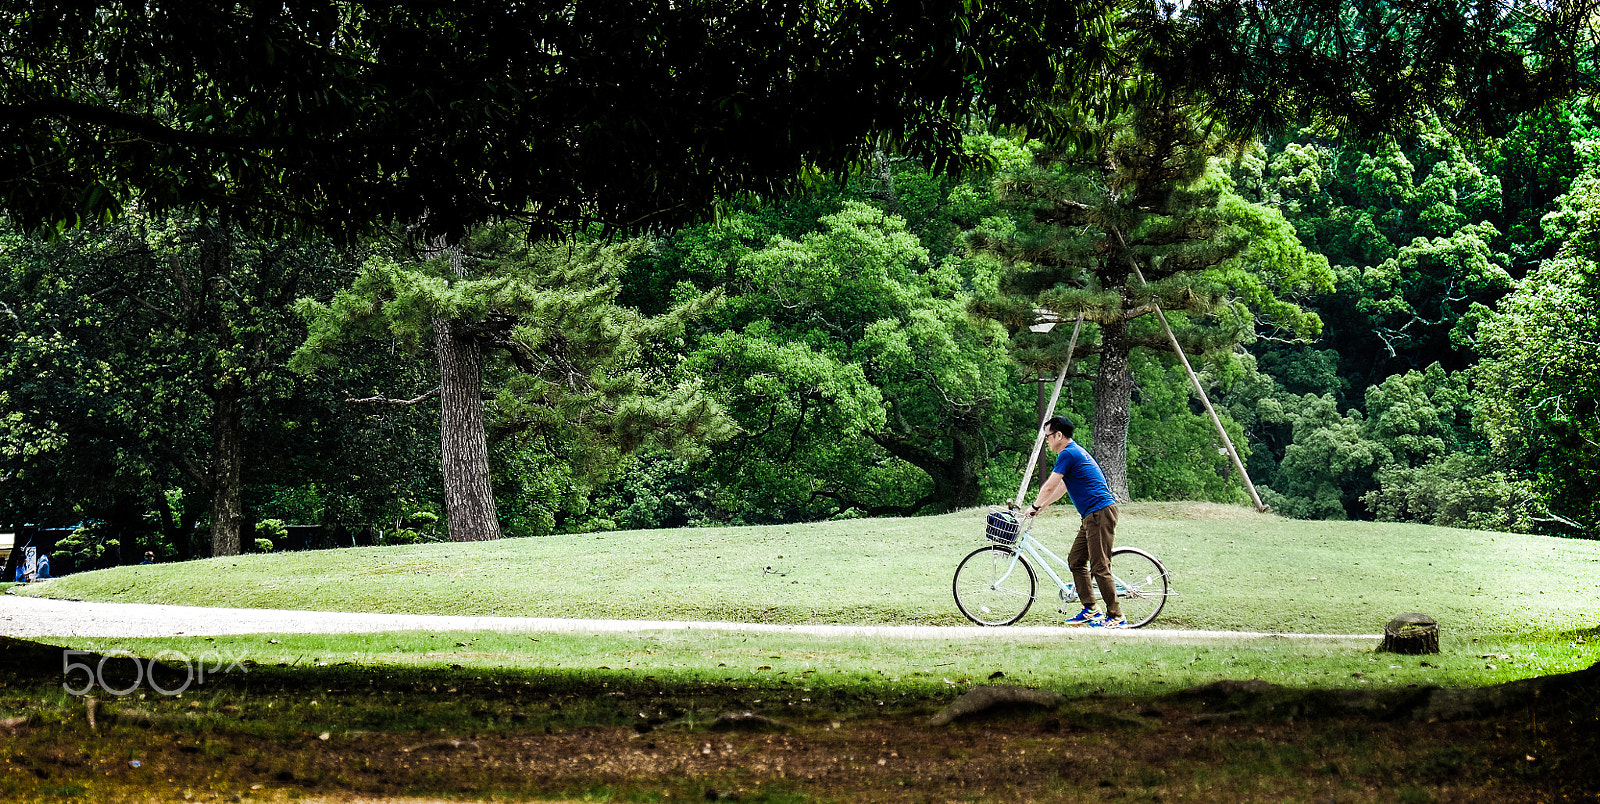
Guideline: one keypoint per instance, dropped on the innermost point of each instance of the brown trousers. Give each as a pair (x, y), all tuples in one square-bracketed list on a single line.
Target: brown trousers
[(1091, 556)]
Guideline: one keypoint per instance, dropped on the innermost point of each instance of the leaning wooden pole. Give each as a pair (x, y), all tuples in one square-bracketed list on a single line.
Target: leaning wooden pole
[(1216, 421), (1194, 380), (1050, 410)]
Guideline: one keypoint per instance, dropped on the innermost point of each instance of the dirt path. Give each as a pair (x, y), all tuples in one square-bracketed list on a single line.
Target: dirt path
[(28, 618)]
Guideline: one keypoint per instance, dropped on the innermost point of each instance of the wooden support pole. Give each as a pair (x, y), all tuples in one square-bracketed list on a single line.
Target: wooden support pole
[(1194, 380), (1216, 421), (1050, 410)]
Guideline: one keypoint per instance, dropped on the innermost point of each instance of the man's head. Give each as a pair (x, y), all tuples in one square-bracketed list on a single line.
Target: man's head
[(1057, 432)]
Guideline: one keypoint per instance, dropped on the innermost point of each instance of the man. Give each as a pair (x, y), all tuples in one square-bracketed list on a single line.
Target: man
[(1076, 474)]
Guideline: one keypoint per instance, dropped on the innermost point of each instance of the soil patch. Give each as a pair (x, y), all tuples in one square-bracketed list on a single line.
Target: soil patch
[(348, 734)]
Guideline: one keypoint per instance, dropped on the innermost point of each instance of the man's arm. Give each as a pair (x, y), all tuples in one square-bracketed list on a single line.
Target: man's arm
[(1052, 490)]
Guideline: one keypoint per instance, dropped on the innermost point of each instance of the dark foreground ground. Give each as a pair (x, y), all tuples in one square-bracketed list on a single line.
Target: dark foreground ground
[(347, 733)]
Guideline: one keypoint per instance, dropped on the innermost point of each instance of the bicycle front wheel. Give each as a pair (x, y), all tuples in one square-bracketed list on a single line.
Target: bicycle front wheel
[(1141, 584), (994, 586)]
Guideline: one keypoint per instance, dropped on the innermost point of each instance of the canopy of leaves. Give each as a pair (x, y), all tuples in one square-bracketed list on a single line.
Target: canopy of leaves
[(1335, 457), (1368, 66), (346, 114), (118, 343), (856, 376), (1152, 199), (1540, 347)]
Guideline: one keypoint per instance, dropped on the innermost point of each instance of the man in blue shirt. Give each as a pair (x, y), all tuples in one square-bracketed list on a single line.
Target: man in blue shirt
[(1078, 476)]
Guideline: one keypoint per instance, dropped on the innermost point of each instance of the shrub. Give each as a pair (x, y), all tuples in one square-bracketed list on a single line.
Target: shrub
[(269, 532), (87, 547), (401, 536), (1458, 491)]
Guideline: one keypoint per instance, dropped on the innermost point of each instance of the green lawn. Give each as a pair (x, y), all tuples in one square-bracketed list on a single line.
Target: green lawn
[(1234, 570), (296, 714)]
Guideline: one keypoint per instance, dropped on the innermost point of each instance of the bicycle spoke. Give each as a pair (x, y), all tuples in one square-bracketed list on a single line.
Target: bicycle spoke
[(993, 586), (1141, 585)]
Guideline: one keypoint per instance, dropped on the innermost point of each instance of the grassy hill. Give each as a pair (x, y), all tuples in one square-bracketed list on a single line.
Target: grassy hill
[(1234, 569)]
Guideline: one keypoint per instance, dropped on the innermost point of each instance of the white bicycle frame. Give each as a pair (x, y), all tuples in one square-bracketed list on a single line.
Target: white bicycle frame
[(1038, 551)]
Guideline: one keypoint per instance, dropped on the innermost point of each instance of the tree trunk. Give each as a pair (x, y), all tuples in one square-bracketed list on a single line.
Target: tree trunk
[(167, 524), (227, 509), (464, 446), (956, 480), (959, 486), (1042, 391), (1113, 407)]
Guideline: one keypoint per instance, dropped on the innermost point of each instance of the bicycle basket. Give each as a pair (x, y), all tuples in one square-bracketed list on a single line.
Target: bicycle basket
[(1002, 527)]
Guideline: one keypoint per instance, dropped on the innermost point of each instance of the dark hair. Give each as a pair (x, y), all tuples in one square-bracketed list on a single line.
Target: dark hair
[(1062, 425)]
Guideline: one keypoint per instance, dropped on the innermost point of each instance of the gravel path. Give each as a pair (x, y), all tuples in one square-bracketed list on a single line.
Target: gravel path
[(28, 617)]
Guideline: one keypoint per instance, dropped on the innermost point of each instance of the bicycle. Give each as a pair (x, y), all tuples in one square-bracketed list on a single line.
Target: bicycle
[(996, 584)]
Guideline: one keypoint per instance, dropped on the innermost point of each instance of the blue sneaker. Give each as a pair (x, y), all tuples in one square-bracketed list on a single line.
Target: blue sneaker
[(1086, 617), (1107, 622)]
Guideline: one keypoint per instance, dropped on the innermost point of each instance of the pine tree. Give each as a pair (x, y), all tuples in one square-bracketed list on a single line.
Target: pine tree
[(539, 320), (1131, 213)]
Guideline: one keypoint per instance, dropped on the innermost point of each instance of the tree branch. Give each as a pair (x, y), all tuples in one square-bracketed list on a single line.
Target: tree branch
[(845, 503), (383, 400)]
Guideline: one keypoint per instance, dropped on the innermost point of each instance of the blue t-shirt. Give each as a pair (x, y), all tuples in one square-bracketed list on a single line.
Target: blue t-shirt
[(1086, 484)]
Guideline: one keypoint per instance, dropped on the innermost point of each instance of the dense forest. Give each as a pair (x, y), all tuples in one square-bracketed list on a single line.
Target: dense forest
[(1396, 319)]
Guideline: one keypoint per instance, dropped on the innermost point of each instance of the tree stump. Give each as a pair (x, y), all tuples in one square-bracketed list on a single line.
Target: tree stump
[(1411, 633)]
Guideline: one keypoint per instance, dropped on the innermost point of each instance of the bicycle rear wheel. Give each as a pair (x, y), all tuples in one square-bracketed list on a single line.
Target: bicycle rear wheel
[(1141, 584), (994, 586)]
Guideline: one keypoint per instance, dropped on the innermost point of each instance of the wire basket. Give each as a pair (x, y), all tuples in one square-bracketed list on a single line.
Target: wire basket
[(1002, 527)]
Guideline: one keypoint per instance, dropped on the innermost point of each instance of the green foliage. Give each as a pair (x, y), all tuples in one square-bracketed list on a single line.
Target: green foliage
[(1327, 457), (89, 546), (417, 527), (268, 533), (797, 406), (1304, 370), (1427, 286), (835, 303), (1428, 233), (1537, 378), (1410, 226), (1141, 213), (130, 349), (657, 490), (1370, 66), (1419, 416), (1536, 164), (856, 376), (271, 529), (1458, 491), (1414, 228), (1173, 453), (350, 115), (580, 380), (1333, 461)]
